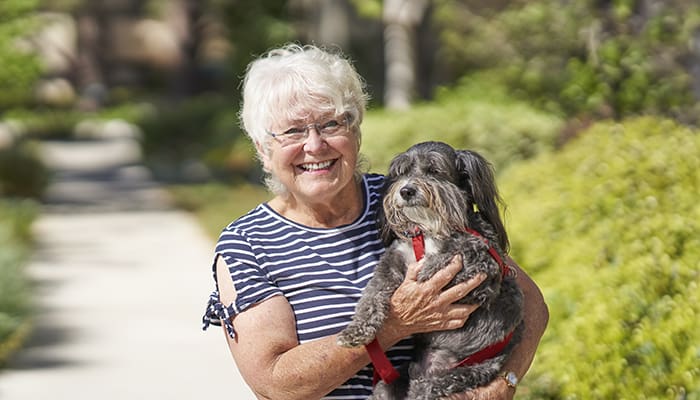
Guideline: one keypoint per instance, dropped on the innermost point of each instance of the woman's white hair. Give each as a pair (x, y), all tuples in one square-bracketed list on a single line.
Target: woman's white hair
[(290, 82)]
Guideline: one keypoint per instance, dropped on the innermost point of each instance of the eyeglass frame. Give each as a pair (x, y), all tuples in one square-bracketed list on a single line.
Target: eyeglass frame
[(346, 123)]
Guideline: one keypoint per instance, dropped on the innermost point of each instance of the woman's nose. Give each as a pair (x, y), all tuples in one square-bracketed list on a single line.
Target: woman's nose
[(313, 140)]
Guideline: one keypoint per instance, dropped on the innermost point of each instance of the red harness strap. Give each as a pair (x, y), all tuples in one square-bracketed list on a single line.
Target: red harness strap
[(505, 269), (487, 352), (383, 370), (382, 366), (494, 349), (418, 245)]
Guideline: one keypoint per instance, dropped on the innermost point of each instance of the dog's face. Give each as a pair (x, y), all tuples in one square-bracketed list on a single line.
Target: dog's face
[(439, 190), (425, 191)]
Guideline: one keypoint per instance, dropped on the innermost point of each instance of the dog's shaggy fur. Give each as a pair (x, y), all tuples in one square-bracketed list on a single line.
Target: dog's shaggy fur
[(440, 191)]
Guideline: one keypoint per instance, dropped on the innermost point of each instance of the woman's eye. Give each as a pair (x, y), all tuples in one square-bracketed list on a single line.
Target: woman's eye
[(293, 131), (330, 124)]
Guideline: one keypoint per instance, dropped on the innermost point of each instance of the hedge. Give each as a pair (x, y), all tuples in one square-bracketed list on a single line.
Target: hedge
[(610, 229), (478, 113)]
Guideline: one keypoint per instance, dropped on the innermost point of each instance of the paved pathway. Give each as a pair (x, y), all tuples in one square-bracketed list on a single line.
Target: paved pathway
[(122, 280)]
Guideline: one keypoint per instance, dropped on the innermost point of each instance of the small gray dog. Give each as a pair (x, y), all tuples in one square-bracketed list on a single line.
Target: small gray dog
[(449, 201)]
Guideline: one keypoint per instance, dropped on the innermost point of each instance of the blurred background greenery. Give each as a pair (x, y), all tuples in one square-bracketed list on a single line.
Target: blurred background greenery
[(587, 109)]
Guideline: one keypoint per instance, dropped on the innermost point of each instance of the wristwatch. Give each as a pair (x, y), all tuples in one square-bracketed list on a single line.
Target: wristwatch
[(511, 379)]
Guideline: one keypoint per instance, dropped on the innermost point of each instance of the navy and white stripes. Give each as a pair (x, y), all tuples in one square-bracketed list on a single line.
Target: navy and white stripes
[(321, 272)]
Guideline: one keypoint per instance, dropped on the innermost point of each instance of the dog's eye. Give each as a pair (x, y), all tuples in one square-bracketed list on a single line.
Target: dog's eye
[(432, 169)]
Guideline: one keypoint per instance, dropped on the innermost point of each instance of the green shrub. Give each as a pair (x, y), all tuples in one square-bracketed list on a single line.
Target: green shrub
[(44, 123), (477, 114), (606, 59), (15, 222), (610, 229), (202, 129), (20, 68), (22, 173), (47, 123)]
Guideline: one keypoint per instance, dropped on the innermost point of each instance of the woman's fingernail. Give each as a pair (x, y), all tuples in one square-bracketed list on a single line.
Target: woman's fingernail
[(479, 277)]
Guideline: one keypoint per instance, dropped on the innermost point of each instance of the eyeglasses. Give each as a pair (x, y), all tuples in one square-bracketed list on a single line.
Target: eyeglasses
[(298, 135)]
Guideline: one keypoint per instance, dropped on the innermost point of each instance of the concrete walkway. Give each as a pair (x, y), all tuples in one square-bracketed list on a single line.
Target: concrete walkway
[(121, 283)]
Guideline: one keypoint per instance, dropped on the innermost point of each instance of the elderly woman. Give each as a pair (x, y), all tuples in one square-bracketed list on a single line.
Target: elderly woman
[(290, 272)]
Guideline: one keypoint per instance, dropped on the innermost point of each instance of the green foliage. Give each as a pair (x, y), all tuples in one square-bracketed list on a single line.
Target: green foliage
[(477, 114), (48, 123), (255, 27), (15, 223), (609, 228), (368, 8), (19, 69), (202, 128), (22, 174), (585, 57), (45, 124)]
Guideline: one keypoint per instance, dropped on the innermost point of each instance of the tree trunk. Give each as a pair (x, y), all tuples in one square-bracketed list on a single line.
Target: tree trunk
[(89, 77), (181, 16), (401, 18), (323, 22), (334, 26)]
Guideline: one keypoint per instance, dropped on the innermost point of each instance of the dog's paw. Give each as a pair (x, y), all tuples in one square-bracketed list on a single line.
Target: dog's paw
[(354, 336)]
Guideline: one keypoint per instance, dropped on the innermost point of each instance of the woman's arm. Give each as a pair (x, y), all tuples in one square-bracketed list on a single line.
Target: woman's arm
[(276, 366), (536, 316)]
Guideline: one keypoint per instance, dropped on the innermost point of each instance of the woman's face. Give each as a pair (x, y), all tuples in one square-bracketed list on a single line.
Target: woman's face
[(319, 168)]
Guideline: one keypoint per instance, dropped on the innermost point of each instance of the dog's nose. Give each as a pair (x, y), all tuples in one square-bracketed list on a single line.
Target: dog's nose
[(407, 192)]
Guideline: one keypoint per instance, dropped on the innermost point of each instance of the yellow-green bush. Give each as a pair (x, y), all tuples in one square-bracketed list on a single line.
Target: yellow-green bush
[(15, 221), (610, 229), (477, 114)]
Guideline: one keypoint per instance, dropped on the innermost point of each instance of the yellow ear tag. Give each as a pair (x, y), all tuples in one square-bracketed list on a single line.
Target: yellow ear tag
[(475, 207)]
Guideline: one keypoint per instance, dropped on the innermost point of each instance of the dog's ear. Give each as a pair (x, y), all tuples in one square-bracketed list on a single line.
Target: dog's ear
[(478, 180), (385, 233)]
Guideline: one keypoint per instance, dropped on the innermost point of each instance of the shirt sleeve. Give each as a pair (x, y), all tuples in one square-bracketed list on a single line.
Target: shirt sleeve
[(251, 282)]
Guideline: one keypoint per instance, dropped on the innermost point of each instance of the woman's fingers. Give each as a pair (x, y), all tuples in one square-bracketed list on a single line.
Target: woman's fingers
[(461, 289), (412, 270), (428, 306), (457, 315), (434, 288), (445, 275)]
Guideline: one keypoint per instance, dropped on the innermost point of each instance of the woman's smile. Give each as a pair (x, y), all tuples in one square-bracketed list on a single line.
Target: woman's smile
[(316, 166)]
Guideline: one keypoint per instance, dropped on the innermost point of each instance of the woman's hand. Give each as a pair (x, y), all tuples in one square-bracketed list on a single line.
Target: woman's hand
[(496, 390), (427, 306)]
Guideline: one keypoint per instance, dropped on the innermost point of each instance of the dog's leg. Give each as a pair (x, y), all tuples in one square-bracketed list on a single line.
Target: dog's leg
[(369, 316), (373, 307)]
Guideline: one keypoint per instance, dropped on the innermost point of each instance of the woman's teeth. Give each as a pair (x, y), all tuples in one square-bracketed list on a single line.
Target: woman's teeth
[(316, 166)]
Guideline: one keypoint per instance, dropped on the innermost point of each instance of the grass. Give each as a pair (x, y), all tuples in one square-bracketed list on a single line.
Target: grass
[(216, 204)]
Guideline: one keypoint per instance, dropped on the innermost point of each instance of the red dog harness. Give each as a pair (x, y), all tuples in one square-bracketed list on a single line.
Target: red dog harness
[(382, 366)]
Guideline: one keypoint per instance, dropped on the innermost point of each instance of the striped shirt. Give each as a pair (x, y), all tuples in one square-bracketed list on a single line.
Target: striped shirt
[(321, 272)]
